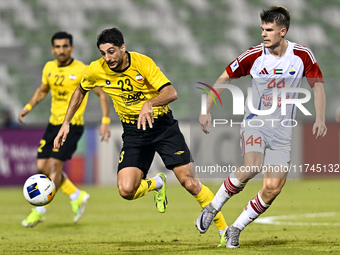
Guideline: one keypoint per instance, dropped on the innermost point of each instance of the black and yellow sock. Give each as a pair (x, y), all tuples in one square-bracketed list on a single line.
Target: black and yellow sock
[(204, 198), (144, 187)]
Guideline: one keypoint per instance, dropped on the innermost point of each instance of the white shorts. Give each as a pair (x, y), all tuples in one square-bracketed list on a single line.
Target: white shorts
[(275, 151)]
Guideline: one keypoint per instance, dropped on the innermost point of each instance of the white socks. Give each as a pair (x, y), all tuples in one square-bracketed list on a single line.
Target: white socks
[(75, 195), (221, 232), (229, 187), (159, 182), (41, 209), (253, 209)]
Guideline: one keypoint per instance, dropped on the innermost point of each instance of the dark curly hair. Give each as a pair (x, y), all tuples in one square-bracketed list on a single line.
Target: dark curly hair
[(111, 35)]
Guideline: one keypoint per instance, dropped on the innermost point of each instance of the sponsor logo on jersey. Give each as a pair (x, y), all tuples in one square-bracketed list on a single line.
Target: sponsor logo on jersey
[(72, 77), (133, 98), (264, 71), (179, 152), (278, 71), (139, 77), (108, 83), (292, 71), (234, 65)]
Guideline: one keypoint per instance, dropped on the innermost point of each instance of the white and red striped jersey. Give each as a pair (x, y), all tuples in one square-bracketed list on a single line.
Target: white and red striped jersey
[(270, 72)]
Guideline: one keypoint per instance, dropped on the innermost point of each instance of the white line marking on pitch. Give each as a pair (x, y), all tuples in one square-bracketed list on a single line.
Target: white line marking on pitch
[(277, 220)]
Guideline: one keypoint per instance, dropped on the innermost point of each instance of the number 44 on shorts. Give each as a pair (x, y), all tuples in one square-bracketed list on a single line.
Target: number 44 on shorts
[(251, 140)]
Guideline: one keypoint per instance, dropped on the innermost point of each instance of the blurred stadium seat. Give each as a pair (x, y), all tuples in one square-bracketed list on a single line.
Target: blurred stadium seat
[(187, 39)]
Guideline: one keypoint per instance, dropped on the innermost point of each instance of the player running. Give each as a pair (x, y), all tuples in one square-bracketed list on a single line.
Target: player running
[(61, 77), (274, 64), (140, 93)]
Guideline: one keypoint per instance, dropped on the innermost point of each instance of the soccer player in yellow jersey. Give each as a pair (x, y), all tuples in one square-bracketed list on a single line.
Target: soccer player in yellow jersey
[(140, 93), (62, 76)]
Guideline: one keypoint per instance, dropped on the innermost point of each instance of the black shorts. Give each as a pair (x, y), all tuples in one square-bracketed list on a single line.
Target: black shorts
[(165, 138), (66, 151)]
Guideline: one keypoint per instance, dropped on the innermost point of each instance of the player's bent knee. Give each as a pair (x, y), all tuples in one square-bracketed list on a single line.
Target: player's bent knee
[(55, 166), (272, 190), (126, 193)]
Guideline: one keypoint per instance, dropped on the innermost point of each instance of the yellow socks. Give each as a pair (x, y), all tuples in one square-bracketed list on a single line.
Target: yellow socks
[(144, 187), (204, 198), (68, 187)]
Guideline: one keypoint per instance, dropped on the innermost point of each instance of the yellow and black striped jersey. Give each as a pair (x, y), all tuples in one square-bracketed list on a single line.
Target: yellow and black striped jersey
[(130, 88), (63, 80)]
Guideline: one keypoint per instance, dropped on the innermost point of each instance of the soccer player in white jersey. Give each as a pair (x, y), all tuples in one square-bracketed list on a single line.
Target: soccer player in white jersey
[(274, 64)]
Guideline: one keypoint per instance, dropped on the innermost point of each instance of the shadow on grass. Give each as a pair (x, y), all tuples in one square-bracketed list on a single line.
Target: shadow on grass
[(278, 242), (173, 246), (62, 225)]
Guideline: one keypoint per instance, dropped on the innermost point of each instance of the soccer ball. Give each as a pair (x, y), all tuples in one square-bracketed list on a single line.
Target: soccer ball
[(39, 190)]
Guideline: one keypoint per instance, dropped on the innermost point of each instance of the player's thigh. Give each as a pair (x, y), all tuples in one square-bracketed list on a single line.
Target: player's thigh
[(252, 145), (66, 151), (46, 142), (252, 165), (277, 162), (137, 157), (252, 140), (275, 170), (55, 165), (172, 148), (42, 166)]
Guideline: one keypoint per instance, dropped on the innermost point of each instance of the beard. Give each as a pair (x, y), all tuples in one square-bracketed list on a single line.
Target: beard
[(119, 64)]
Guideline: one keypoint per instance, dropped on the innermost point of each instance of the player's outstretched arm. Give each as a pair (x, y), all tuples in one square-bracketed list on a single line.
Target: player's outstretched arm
[(166, 96), (37, 97), (205, 119), (104, 130), (76, 100), (319, 127)]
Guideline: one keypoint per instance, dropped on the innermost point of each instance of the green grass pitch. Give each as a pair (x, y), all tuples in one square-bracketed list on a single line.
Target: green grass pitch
[(112, 225)]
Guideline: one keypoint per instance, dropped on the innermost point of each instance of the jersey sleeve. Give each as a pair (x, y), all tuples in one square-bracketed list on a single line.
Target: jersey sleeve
[(314, 74), (45, 74), (153, 74), (242, 65), (311, 68), (88, 82)]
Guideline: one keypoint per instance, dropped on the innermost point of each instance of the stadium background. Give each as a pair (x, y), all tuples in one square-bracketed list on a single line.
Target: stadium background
[(188, 39)]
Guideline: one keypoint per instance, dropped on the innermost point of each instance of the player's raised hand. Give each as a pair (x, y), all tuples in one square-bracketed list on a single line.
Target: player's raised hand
[(145, 115), (104, 132), (61, 136), (320, 129), (205, 122)]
